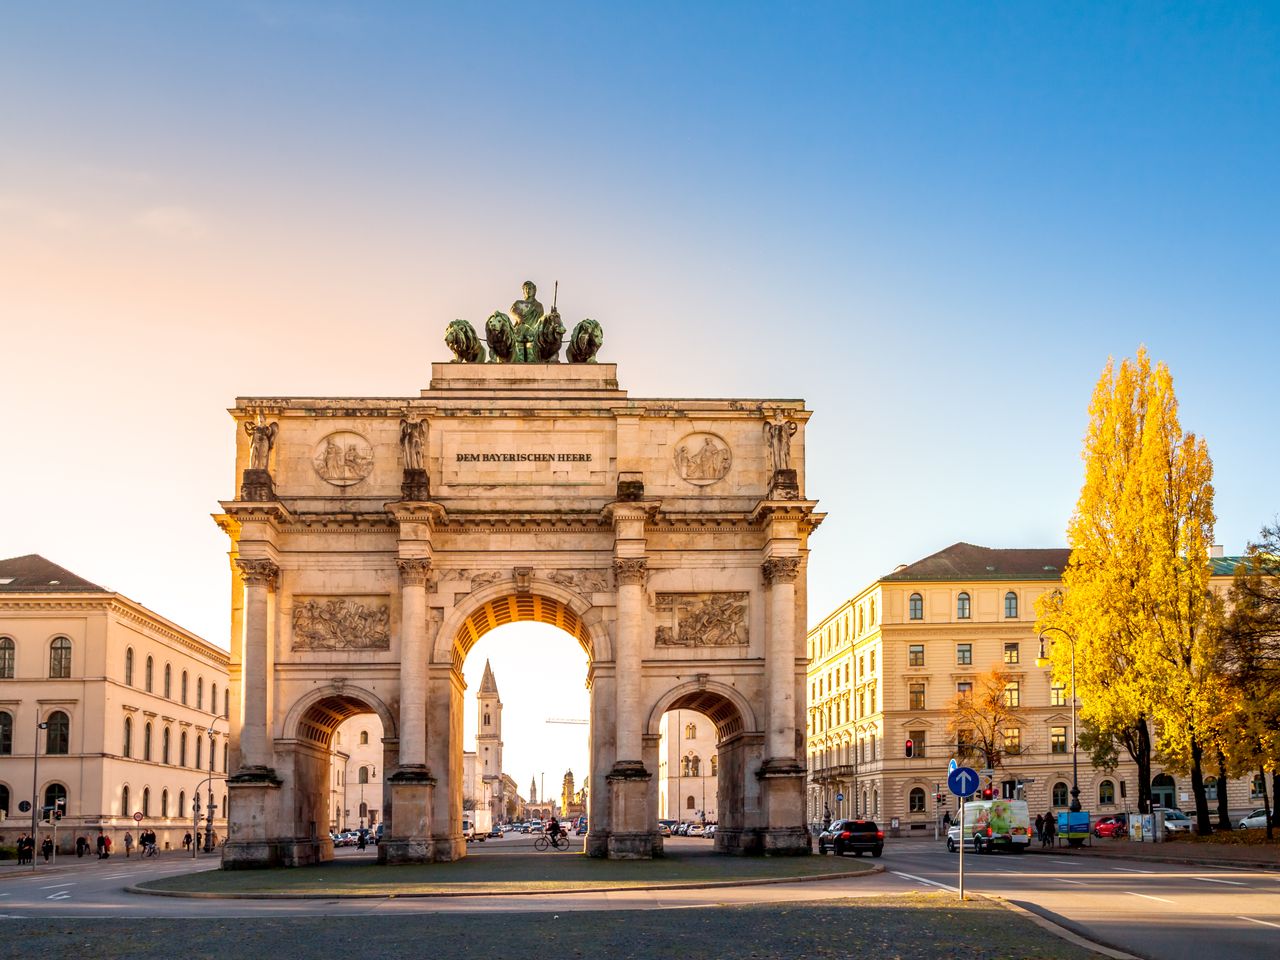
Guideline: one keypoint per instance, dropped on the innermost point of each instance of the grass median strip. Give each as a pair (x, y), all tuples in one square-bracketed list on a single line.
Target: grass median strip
[(502, 874)]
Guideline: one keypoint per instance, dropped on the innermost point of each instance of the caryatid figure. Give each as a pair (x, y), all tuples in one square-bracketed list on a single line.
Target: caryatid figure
[(262, 436)]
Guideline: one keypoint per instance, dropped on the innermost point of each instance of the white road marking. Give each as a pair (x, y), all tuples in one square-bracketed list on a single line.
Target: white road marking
[(932, 883), (60, 895), (55, 886), (1148, 897), (1130, 870), (1078, 883), (1234, 883), (1265, 923), (1074, 863)]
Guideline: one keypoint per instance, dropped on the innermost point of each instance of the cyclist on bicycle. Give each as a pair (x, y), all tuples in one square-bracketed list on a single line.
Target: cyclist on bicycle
[(553, 829)]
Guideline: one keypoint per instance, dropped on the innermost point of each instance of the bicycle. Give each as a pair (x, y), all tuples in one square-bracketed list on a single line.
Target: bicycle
[(560, 842)]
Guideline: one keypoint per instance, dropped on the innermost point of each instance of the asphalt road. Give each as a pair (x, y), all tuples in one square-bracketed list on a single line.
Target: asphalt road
[(1153, 910)]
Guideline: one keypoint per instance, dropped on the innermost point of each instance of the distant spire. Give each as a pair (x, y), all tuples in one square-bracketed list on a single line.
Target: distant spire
[(487, 683)]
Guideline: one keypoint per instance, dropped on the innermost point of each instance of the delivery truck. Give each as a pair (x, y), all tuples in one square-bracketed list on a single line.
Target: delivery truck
[(993, 825)]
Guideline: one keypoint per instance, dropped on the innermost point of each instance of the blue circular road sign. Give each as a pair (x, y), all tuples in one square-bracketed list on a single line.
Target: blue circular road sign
[(963, 781), (839, 798)]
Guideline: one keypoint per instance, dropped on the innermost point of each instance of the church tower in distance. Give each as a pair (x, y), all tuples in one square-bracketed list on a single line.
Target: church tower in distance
[(489, 728)]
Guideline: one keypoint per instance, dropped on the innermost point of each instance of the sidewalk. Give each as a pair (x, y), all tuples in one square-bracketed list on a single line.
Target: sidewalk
[(70, 863), (1175, 851)]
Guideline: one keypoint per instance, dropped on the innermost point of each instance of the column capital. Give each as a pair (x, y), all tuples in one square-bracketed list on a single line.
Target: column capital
[(630, 569), (258, 572), (413, 570), (781, 570)]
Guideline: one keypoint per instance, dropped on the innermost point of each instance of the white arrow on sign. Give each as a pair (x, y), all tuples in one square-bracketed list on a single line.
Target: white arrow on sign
[(963, 778)]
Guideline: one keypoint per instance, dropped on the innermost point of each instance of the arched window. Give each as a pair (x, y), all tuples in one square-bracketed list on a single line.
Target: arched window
[(688, 803), (1060, 794), (715, 765), (487, 720), (364, 737), (151, 667), (164, 746), (164, 803), (199, 693), (915, 607), (168, 682), (364, 810), (363, 776), (128, 736), (1011, 606), (184, 686), (694, 764), (859, 621), (60, 658), (146, 801), (182, 749), (4, 799), (55, 795), (962, 607), (58, 737), (124, 801), (684, 766), (226, 703), (213, 698), (1106, 793), (873, 614), (128, 666), (6, 733), (916, 800), (224, 806), (6, 658), (199, 753), (1211, 789), (146, 741), (225, 768), (182, 803)]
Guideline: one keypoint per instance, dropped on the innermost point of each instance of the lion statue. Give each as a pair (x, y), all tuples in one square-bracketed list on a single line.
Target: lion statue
[(460, 337), (588, 337), (546, 342), (502, 338)]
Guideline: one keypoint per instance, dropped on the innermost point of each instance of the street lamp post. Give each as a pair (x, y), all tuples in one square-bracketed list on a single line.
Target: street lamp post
[(210, 806), (35, 786), (1043, 661)]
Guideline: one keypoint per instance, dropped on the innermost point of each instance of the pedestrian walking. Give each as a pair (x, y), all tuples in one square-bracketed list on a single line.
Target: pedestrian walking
[(46, 848), (106, 848), (1050, 830), (186, 841), (100, 843), (1040, 827), (128, 844), (22, 849)]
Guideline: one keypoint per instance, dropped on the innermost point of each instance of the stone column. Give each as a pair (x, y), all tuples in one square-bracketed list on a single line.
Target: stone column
[(631, 834), (259, 578)]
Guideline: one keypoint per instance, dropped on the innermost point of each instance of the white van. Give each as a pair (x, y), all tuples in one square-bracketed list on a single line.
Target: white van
[(468, 829), (991, 825)]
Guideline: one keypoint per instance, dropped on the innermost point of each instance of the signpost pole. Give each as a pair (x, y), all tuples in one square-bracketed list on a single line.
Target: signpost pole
[(962, 848)]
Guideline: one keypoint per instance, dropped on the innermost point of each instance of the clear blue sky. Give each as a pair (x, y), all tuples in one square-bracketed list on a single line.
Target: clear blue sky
[(934, 222)]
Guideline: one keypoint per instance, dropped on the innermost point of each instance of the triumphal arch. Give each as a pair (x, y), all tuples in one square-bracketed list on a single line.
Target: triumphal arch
[(374, 541)]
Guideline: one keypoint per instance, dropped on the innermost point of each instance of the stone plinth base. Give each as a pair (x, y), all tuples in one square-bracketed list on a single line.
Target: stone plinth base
[(631, 846), (446, 849), (256, 487), (407, 838), (738, 842), (632, 836), (253, 792), (782, 800), (785, 485), (416, 486), (597, 844)]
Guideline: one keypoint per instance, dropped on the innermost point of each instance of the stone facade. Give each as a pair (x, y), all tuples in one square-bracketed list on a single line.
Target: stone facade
[(668, 536), (688, 768)]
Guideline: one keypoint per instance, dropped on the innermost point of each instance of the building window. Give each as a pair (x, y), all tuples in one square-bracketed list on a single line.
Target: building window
[(915, 607), (184, 686), (146, 741), (964, 654), (962, 607), (715, 765), (226, 703), (60, 658), (1107, 793), (488, 720), (6, 658), (964, 689), (147, 678), (872, 655), (164, 746), (164, 803), (688, 802), (4, 800), (6, 733), (199, 753), (213, 698), (199, 693), (124, 801), (917, 742), (695, 766), (58, 736), (1013, 694), (873, 612), (1060, 794), (1058, 695), (1057, 739), (1257, 787), (128, 666), (55, 796), (690, 731), (182, 803), (915, 655), (146, 801), (363, 775), (1011, 653), (916, 696), (964, 742), (871, 743), (1013, 741), (168, 682), (364, 737), (1011, 606), (225, 768), (916, 800), (128, 737), (182, 749)]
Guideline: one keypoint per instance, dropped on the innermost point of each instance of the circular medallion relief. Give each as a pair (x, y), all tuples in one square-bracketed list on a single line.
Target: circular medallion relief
[(702, 458), (343, 458)]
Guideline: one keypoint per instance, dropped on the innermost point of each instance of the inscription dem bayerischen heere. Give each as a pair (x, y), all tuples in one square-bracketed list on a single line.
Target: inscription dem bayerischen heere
[(465, 457)]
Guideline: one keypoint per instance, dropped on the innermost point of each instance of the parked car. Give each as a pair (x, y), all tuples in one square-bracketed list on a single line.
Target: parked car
[(496, 832), (852, 836), (1175, 821), (1114, 827), (694, 830), (1254, 821), (665, 827), (709, 831)]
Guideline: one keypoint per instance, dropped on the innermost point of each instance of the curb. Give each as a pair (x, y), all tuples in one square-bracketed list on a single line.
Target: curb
[(1059, 930), (1184, 861), (449, 894)]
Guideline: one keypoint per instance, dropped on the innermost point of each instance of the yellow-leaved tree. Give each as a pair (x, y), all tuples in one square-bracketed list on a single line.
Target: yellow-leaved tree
[(1136, 591)]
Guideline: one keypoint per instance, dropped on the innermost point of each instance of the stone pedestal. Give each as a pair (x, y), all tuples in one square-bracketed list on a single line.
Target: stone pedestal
[(782, 800), (633, 834), (256, 486), (253, 793), (416, 486), (408, 835), (785, 485)]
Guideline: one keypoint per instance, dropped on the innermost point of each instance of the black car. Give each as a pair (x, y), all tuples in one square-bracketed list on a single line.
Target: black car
[(852, 836)]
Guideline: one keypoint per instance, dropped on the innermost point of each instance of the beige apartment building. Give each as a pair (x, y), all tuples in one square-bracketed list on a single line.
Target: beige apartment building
[(109, 713), (688, 767), (358, 768), (886, 666)]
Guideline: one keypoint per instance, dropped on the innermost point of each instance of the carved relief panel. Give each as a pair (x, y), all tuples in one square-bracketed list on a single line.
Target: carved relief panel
[(701, 619), (343, 458), (702, 458), (341, 623)]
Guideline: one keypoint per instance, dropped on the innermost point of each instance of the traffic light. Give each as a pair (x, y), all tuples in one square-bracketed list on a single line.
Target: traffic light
[(911, 748), (988, 793)]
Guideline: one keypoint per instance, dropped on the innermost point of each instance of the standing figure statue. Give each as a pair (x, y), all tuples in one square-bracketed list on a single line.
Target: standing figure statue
[(777, 434), (262, 436), (413, 442), (526, 315)]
